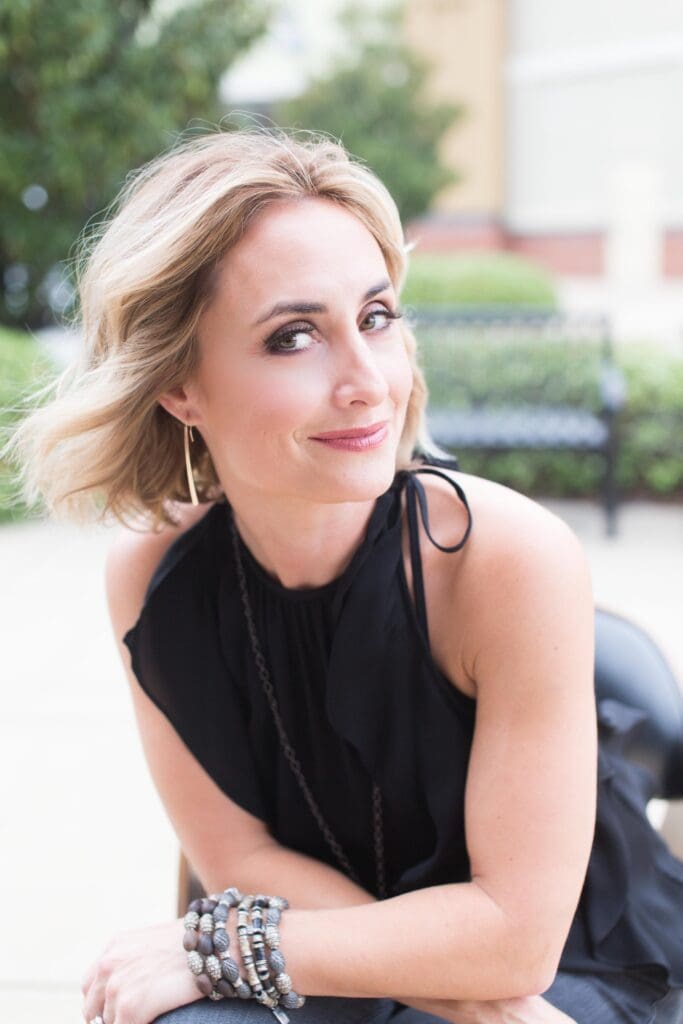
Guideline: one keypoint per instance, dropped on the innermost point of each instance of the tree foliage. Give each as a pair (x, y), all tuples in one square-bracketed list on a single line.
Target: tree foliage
[(373, 100), (88, 90)]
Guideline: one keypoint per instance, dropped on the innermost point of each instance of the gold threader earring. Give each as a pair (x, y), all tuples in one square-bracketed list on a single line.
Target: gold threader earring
[(189, 436)]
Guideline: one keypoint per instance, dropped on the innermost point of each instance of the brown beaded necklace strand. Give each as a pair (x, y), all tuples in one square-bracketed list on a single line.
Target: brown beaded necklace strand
[(289, 750)]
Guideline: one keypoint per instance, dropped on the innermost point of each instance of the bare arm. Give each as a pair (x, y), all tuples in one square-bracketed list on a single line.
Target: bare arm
[(313, 935), (311, 884), (442, 942), (308, 884)]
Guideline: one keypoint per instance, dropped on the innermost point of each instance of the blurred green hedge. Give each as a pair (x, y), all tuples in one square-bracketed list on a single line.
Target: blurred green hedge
[(477, 279), (24, 366), (477, 364)]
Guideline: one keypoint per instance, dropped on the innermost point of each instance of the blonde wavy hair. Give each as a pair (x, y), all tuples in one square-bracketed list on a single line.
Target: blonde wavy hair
[(102, 446)]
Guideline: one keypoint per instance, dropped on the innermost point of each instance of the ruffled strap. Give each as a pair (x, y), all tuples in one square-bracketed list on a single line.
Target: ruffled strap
[(414, 489), (415, 495)]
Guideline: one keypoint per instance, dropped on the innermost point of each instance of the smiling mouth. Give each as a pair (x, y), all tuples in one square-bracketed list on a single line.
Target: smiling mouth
[(351, 432), (364, 439)]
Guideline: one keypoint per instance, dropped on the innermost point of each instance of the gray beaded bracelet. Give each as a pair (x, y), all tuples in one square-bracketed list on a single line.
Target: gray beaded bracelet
[(258, 949), (206, 941), (281, 994)]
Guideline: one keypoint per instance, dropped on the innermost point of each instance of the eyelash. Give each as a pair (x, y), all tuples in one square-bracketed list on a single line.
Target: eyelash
[(271, 343)]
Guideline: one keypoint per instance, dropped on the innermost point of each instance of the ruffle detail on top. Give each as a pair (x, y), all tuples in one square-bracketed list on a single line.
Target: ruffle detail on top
[(632, 901), (376, 701), (177, 659)]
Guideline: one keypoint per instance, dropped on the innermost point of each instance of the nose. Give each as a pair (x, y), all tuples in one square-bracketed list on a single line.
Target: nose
[(358, 377)]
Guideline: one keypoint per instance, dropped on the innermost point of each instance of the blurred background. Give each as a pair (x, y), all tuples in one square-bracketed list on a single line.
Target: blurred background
[(535, 152)]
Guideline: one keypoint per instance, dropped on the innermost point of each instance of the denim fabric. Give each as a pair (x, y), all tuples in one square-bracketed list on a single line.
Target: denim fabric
[(628, 997), (668, 1009), (619, 998), (316, 1010)]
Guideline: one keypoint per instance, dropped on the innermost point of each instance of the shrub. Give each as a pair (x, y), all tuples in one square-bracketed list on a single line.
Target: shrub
[(477, 279), (23, 367)]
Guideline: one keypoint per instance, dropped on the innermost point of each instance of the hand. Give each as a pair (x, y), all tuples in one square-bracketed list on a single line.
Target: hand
[(518, 1010), (141, 974)]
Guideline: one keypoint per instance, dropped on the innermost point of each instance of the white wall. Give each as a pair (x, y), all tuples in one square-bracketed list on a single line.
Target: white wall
[(540, 25), (593, 87)]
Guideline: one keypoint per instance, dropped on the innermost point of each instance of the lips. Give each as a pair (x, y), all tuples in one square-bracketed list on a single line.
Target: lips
[(350, 432)]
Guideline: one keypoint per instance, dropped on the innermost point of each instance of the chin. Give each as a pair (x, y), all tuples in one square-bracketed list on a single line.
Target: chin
[(360, 482)]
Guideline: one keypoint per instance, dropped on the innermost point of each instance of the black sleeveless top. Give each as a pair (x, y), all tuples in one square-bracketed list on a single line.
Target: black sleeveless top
[(361, 699)]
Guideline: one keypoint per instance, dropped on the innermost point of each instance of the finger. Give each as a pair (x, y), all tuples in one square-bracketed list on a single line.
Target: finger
[(96, 1006), (94, 996), (96, 967), (92, 1006), (88, 978)]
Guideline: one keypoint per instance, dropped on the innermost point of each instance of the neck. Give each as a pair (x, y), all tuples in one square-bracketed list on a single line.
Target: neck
[(302, 545)]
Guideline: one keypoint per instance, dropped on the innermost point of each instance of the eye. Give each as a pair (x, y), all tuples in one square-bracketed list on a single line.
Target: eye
[(385, 314), (286, 341)]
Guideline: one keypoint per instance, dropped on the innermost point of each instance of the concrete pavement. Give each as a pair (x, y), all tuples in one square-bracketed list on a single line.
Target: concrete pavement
[(80, 813)]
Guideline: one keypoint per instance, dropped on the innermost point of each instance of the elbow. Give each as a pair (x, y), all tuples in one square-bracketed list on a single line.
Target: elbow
[(537, 939), (535, 984), (525, 981), (529, 947), (535, 967)]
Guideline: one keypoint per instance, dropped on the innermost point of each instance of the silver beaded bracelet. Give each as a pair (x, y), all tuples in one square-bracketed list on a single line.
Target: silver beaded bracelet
[(217, 974)]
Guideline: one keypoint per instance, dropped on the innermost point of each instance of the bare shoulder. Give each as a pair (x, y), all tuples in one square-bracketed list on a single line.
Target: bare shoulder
[(511, 534), (506, 525), (132, 558)]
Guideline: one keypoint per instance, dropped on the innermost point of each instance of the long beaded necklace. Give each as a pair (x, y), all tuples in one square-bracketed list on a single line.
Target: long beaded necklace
[(288, 750)]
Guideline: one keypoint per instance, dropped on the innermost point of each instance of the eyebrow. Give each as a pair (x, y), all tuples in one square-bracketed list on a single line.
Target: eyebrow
[(314, 307)]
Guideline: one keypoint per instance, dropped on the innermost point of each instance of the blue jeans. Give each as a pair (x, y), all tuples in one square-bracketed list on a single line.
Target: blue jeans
[(620, 998)]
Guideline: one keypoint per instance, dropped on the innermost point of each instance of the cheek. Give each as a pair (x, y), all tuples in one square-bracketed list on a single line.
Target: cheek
[(257, 400), (399, 374), (281, 403)]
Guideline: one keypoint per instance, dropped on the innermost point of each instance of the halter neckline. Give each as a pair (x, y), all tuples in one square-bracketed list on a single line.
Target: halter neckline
[(379, 522)]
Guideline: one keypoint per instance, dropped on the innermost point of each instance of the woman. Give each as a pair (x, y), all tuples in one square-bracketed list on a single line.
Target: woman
[(363, 679)]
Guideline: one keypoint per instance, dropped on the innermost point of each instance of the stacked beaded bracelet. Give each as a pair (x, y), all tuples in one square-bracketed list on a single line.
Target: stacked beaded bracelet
[(206, 940), (217, 975)]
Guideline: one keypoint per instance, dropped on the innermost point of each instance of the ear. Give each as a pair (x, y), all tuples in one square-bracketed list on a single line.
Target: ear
[(178, 403)]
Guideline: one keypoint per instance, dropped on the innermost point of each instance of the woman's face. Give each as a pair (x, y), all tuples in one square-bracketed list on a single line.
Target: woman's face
[(270, 379)]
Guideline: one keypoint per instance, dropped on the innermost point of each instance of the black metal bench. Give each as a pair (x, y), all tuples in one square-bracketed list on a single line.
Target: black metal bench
[(522, 380)]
